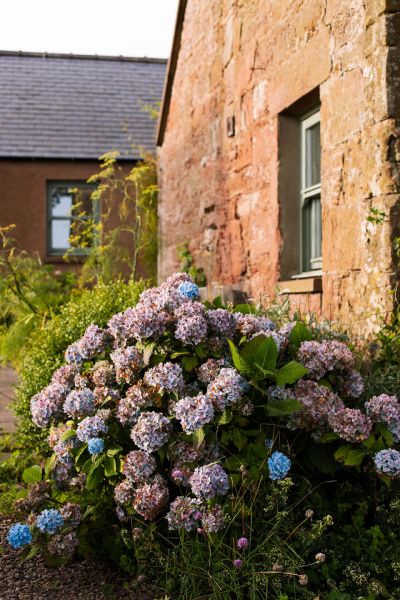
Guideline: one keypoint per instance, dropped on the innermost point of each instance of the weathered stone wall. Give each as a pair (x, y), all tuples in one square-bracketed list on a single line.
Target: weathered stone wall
[(253, 60)]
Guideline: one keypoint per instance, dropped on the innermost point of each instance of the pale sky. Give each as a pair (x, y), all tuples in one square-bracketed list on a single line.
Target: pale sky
[(112, 27)]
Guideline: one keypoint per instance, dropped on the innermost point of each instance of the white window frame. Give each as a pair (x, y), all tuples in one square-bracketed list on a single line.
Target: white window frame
[(306, 194)]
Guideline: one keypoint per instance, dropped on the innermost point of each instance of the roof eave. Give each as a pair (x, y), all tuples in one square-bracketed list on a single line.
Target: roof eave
[(170, 75)]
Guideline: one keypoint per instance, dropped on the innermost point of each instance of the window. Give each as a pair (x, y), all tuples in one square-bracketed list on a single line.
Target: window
[(69, 205), (311, 227)]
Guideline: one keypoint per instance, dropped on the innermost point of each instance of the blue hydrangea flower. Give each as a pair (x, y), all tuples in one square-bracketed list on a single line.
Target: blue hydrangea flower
[(189, 290), (279, 465), (19, 535), (50, 520), (387, 462), (268, 443), (95, 445)]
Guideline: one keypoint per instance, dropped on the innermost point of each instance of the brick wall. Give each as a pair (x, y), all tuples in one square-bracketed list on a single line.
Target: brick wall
[(254, 60)]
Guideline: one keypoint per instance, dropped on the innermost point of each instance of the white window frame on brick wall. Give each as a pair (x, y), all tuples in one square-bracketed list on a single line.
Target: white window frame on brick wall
[(310, 201)]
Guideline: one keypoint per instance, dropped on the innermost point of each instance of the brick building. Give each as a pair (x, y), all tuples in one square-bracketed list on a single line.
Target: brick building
[(58, 114), (278, 135)]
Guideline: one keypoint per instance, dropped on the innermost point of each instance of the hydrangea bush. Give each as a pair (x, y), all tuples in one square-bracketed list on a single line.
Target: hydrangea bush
[(166, 417)]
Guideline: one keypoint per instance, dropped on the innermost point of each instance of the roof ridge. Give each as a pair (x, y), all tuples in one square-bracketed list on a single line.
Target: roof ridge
[(120, 58)]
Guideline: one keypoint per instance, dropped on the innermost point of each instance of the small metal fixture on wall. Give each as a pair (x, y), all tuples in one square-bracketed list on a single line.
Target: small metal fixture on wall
[(230, 126)]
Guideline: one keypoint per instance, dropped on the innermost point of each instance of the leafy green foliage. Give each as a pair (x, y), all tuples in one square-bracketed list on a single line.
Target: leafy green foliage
[(30, 294), (188, 265)]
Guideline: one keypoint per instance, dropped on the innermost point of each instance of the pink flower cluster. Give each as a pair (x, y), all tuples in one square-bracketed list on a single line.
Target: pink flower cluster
[(321, 358)]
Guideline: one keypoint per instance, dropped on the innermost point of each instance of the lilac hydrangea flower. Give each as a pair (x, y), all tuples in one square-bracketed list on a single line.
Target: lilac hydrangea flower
[(65, 375), (139, 466), (48, 403), (351, 424), (19, 535), (319, 404), (249, 325), (137, 397), (352, 384), (213, 519), (195, 412), (94, 341), (191, 331), (387, 462), (124, 492), (95, 445), (63, 545), (90, 427), (222, 322), (151, 498), (279, 465), (189, 290), (79, 403), (71, 514), (385, 409), (165, 376), (190, 309), (50, 521), (102, 373), (227, 388), (184, 513), (151, 431), (211, 369), (73, 356), (322, 357), (209, 481), (127, 361)]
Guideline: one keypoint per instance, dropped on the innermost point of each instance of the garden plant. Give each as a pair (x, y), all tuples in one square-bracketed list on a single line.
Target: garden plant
[(211, 454)]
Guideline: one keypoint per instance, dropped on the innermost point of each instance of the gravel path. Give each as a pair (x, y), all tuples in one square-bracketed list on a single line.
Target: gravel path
[(33, 580), (8, 379)]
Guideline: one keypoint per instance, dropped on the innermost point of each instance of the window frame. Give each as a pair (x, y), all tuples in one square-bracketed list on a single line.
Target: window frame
[(51, 185), (308, 193)]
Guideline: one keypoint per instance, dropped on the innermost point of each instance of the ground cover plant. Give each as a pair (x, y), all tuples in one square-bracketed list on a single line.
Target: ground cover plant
[(207, 451)]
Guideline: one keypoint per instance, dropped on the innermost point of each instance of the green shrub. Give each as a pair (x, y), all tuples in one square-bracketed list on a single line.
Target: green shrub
[(45, 351)]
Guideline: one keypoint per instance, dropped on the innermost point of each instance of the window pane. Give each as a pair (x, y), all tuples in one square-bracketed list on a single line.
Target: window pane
[(60, 232), (312, 234), (61, 203), (312, 155)]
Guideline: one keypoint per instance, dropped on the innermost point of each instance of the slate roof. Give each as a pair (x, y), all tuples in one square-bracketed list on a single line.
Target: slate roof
[(75, 106)]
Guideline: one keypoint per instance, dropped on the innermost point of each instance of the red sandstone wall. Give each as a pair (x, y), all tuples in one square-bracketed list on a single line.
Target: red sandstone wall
[(253, 60)]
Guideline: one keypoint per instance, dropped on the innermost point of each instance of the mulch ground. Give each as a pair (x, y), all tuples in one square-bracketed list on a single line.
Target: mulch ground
[(33, 580)]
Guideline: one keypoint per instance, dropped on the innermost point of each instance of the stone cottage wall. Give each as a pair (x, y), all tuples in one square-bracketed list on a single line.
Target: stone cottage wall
[(253, 61)]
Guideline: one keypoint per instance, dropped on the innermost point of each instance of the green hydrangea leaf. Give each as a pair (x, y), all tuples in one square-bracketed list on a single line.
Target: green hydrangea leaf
[(32, 474)]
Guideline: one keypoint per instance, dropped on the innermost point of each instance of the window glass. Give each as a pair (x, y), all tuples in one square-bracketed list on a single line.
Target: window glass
[(69, 207), (312, 156)]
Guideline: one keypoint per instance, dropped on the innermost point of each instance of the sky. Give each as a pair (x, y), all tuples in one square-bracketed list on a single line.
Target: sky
[(111, 27)]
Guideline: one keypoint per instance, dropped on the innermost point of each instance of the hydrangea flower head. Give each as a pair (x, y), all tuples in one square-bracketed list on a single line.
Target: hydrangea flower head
[(90, 427), (79, 402), (19, 535), (184, 513), (73, 356), (94, 341), (213, 519), (222, 322), (195, 412), (137, 398), (385, 409), (139, 466), (95, 445), (387, 462), (151, 498), (209, 481), (191, 331), (48, 403), (279, 465), (71, 514), (351, 424), (165, 376), (227, 388), (189, 290), (127, 361), (151, 431), (50, 521)]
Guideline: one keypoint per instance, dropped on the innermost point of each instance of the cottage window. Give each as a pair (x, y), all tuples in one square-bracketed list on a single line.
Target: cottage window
[(70, 212), (310, 193)]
